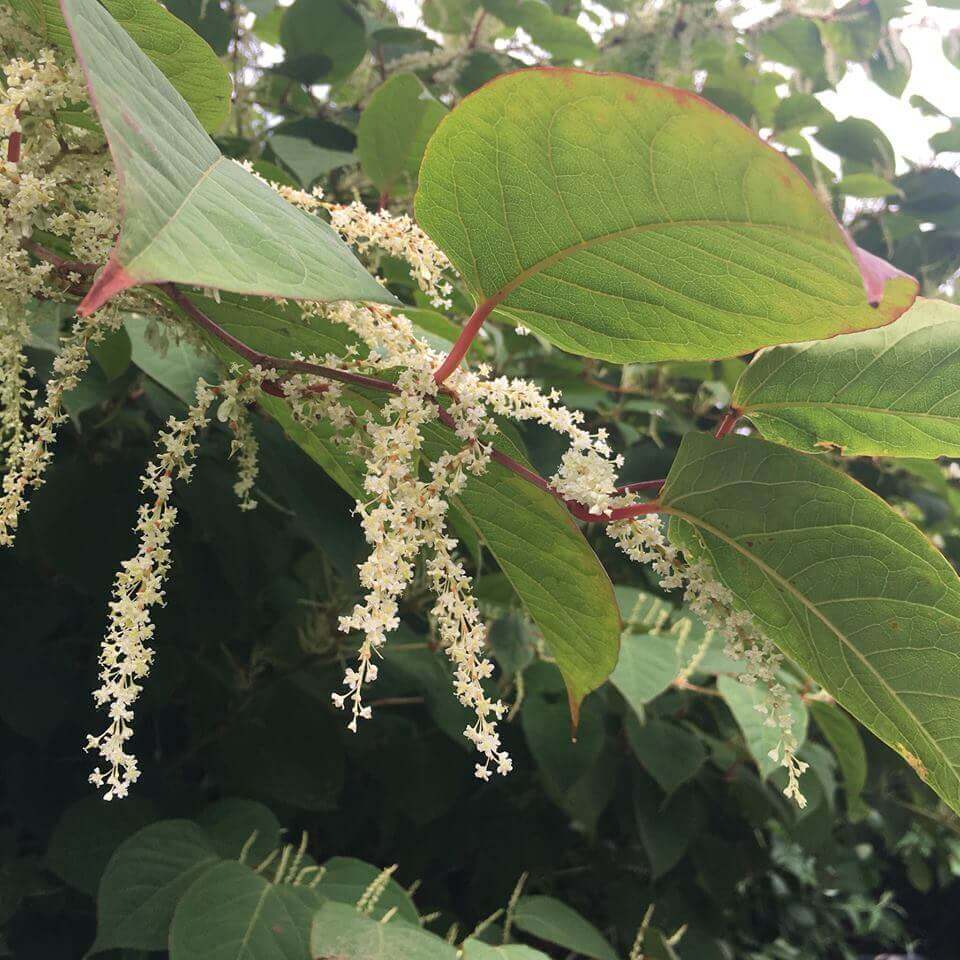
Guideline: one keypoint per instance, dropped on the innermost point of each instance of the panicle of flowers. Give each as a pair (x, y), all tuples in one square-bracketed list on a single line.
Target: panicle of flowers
[(642, 539), (125, 654), (235, 394), (399, 236), (26, 465), (309, 202), (16, 400)]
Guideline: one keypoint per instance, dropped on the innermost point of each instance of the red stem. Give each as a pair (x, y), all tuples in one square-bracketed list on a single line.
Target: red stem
[(13, 144), (66, 266), (467, 336), (728, 422), (267, 361)]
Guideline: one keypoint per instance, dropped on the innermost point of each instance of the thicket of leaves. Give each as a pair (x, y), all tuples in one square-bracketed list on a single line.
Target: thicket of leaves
[(668, 797)]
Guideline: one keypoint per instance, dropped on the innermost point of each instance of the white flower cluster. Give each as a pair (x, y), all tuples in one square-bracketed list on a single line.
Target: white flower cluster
[(400, 237), (235, 395), (125, 654), (642, 539), (28, 458)]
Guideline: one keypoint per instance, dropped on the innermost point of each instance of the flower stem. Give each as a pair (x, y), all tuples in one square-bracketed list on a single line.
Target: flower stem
[(13, 144)]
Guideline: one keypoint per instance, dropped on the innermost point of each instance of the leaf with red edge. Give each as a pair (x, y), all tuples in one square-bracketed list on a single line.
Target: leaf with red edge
[(190, 215), (629, 221)]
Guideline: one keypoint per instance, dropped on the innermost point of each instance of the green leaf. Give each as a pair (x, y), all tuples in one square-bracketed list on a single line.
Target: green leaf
[(307, 160), (177, 368), (849, 590), (858, 141), (232, 913), (190, 214), (555, 922), (326, 36), (867, 185), (795, 42), (87, 834), (670, 754), (560, 36), (552, 568), (743, 701), (185, 59), (231, 823), (143, 881), (346, 878), (340, 932), (394, 130), (948, 141), (844, 739), (891, 392), (801, 110), (478, 950), (533, 188), (113, 353), (208, 18)]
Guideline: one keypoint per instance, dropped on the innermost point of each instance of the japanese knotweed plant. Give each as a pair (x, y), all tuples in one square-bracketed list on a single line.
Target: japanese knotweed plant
[(615, 218)]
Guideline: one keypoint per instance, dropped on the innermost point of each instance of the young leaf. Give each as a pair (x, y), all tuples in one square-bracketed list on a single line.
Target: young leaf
[(185, 59), (394, 130), (555, 922), (340, 931), (849, 590), (232, 913), (190, 214), (143, 881), (629, 221), (891, 392)]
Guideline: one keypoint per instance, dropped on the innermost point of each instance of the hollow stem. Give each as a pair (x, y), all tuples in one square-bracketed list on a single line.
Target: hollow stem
[(13, 144)]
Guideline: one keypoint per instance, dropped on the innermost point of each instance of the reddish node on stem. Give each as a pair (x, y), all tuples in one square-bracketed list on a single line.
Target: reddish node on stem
[(728, 422), (13, 144), (113, 279), (467, 336)]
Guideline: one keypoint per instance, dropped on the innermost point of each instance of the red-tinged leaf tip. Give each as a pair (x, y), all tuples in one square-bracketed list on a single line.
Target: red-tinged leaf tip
[(874, 271), (574, 715), (113, 279)]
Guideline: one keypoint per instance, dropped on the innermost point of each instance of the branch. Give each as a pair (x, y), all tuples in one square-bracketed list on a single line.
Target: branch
[(267, 361), (59, 263), (13, 144)]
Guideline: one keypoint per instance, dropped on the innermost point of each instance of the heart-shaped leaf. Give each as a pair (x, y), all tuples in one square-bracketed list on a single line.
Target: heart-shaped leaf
[(190, 214), (143, 881), (847, 588), (629, 221), (184, 58), (232, 913), (892, 392)]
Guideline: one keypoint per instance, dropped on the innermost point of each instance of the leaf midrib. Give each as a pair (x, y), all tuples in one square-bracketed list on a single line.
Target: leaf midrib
[(500, 295), (176, 213), (789, 588)]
